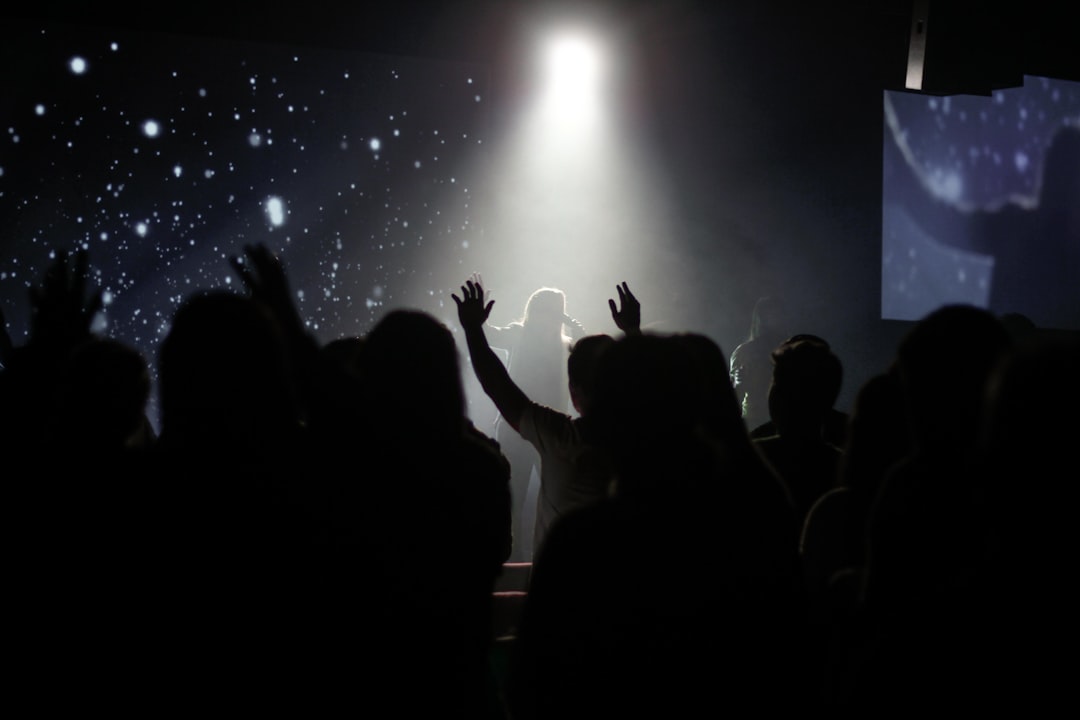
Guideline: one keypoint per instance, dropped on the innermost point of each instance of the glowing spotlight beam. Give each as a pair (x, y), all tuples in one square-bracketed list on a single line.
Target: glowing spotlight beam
[(573, 76)]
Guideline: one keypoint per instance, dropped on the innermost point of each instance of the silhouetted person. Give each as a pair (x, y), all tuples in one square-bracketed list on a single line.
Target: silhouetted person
[(833, 542), (162, 571), (675, 595), (102, 398), (225, 378), (537, 347), (572, 474), (336, 402), (420, 529), (805, 384), (73, 405), (751, 360), (231, 519), (228, 469), (836, 420), (1025, 593), (1035, 246), (263, 276), (927, 534), (834, 537), (62, 307)]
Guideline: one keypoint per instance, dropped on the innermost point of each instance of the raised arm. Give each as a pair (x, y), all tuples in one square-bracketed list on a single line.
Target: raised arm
[(264, 275), (503, 337), (492, 374), (64, 305), (627, 314)]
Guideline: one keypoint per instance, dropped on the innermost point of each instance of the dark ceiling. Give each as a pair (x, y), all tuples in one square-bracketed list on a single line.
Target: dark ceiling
[(972, 43)]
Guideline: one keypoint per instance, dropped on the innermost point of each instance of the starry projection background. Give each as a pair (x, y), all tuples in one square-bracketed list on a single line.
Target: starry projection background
[(162, 155)]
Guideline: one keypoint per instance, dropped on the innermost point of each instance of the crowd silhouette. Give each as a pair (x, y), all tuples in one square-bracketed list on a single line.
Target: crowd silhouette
[(322, 527)]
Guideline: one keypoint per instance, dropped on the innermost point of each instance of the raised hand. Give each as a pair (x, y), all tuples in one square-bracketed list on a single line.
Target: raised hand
[(472, 310), (62, 311), (263, 274), (627, 314)]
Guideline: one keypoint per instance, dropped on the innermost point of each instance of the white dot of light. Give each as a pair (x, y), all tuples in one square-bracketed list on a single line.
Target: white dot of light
[(254, 139), (275, 210), (141, 229), (375, 144), (39, 109), (77, 65), (150, 128), (1022, 161), (177, 170)]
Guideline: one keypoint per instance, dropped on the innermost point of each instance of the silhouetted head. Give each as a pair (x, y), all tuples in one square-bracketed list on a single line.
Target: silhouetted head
[(412, 374), (944, 363), (581, 368), (805, 337), (1032, 400), (806, 382), (546, 307), (1019, 326), (103, 393), (336, 402), (721, 410), (224, 368), (648, 412), (878, 433), (767, 318)]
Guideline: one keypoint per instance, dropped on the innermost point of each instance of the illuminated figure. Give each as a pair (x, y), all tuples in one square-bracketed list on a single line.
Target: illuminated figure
[(538, 345)]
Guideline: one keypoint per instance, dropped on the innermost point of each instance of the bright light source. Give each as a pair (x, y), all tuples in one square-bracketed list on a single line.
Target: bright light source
[(576, 189), (574, 64), (573, 75)]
